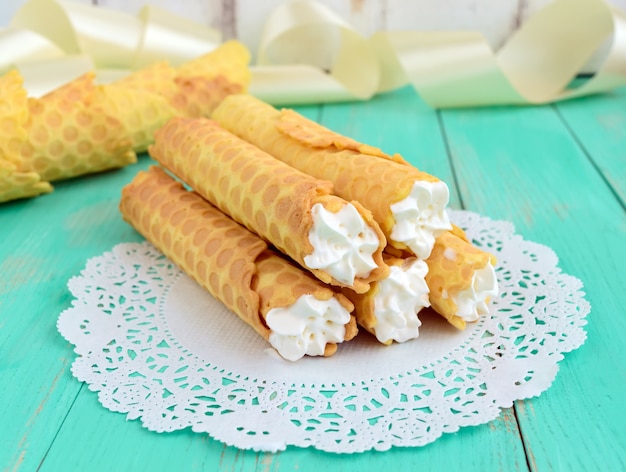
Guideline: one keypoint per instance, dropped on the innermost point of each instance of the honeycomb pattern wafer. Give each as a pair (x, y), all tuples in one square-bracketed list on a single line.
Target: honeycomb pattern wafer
[(229, 60), (451, 267), (226, 259), (157, 78), (15, 184), (256, 190), (13, 116), (68, 135), (140, 112), (358, 172), (199, 96)]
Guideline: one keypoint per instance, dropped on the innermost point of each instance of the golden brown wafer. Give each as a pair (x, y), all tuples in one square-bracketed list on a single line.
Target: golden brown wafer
[(451, 268), (15, 182), (256, 190), (69, 135), (232, 263), (357, 171)]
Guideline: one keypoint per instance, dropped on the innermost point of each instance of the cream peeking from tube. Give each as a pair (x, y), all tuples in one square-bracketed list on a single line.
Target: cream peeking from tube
[(297, 314)]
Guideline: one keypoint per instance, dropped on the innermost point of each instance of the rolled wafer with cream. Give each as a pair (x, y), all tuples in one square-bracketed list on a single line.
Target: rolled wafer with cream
[(461, 279), (295, 312), (389, 310), (338, 241), (408, 204)]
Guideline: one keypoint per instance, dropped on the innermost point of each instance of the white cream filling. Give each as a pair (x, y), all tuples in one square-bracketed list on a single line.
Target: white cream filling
[(399, 299), (421, 217), (305, 327), (472, 302), (343, 244)]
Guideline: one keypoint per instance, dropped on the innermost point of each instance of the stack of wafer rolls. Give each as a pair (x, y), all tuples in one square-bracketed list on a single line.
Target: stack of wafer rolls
[(337, 240), (408, 204), (295, 312), (83, 127)]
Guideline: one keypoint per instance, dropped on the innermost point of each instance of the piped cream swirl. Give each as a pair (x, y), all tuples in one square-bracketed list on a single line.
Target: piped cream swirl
[(472, 302), (305, 327), (421, 217), (343, 243), (399, 299)]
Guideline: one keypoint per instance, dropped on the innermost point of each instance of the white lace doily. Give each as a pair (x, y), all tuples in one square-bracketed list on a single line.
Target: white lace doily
[(157, 347)]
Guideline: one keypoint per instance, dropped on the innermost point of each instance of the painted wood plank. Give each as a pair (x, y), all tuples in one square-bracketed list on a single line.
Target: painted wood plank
[(599, 124), (44, 242), (522, 165)]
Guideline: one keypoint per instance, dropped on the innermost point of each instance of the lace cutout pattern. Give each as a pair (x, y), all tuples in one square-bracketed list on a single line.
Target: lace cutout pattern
[(158, 348)]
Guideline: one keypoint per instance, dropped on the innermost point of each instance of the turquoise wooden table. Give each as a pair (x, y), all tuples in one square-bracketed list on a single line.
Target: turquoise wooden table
[(557, 172)]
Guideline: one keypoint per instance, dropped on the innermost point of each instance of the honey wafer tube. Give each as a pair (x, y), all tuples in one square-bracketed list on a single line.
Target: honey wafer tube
[(389, 310), (408, 204), (285, 305), (15, 182), (461, 279), (338, 241), (69, 135)]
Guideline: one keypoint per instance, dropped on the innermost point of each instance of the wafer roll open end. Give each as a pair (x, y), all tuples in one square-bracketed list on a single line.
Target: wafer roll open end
[(462, 280), (389, 310), (297, 314)]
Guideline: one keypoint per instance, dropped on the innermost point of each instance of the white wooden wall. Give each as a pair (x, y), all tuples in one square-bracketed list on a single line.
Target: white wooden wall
[(243, 19)]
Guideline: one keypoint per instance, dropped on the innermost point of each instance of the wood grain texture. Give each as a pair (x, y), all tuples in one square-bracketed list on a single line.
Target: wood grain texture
[(524, 165)]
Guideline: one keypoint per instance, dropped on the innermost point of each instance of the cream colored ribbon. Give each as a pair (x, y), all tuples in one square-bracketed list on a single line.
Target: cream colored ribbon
[(308, 54), (52, 42)]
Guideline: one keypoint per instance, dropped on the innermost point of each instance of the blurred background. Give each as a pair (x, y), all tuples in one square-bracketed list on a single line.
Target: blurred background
[(243, 19)]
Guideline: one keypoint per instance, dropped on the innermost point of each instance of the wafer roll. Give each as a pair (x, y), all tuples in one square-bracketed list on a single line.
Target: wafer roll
[(157, 78), (140, 112), (69, 135), (389, 310), (407, 203), (337, 241), (461, 279), (229, 60), (297, 314), (15, 182)]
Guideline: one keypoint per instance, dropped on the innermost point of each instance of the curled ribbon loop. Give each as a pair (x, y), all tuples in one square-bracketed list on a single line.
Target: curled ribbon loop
[(56, 41), (455, 69), (305, 39)]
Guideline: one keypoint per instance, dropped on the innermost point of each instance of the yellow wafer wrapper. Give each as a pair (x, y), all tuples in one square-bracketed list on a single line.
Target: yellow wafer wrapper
[(14, 114), (157, 78), (452, 270), (205, 81), (140, 112), (15, 182), (267, 196), (357, 171), (69, 135), (233, 264), (199, 96), (229, 60)]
